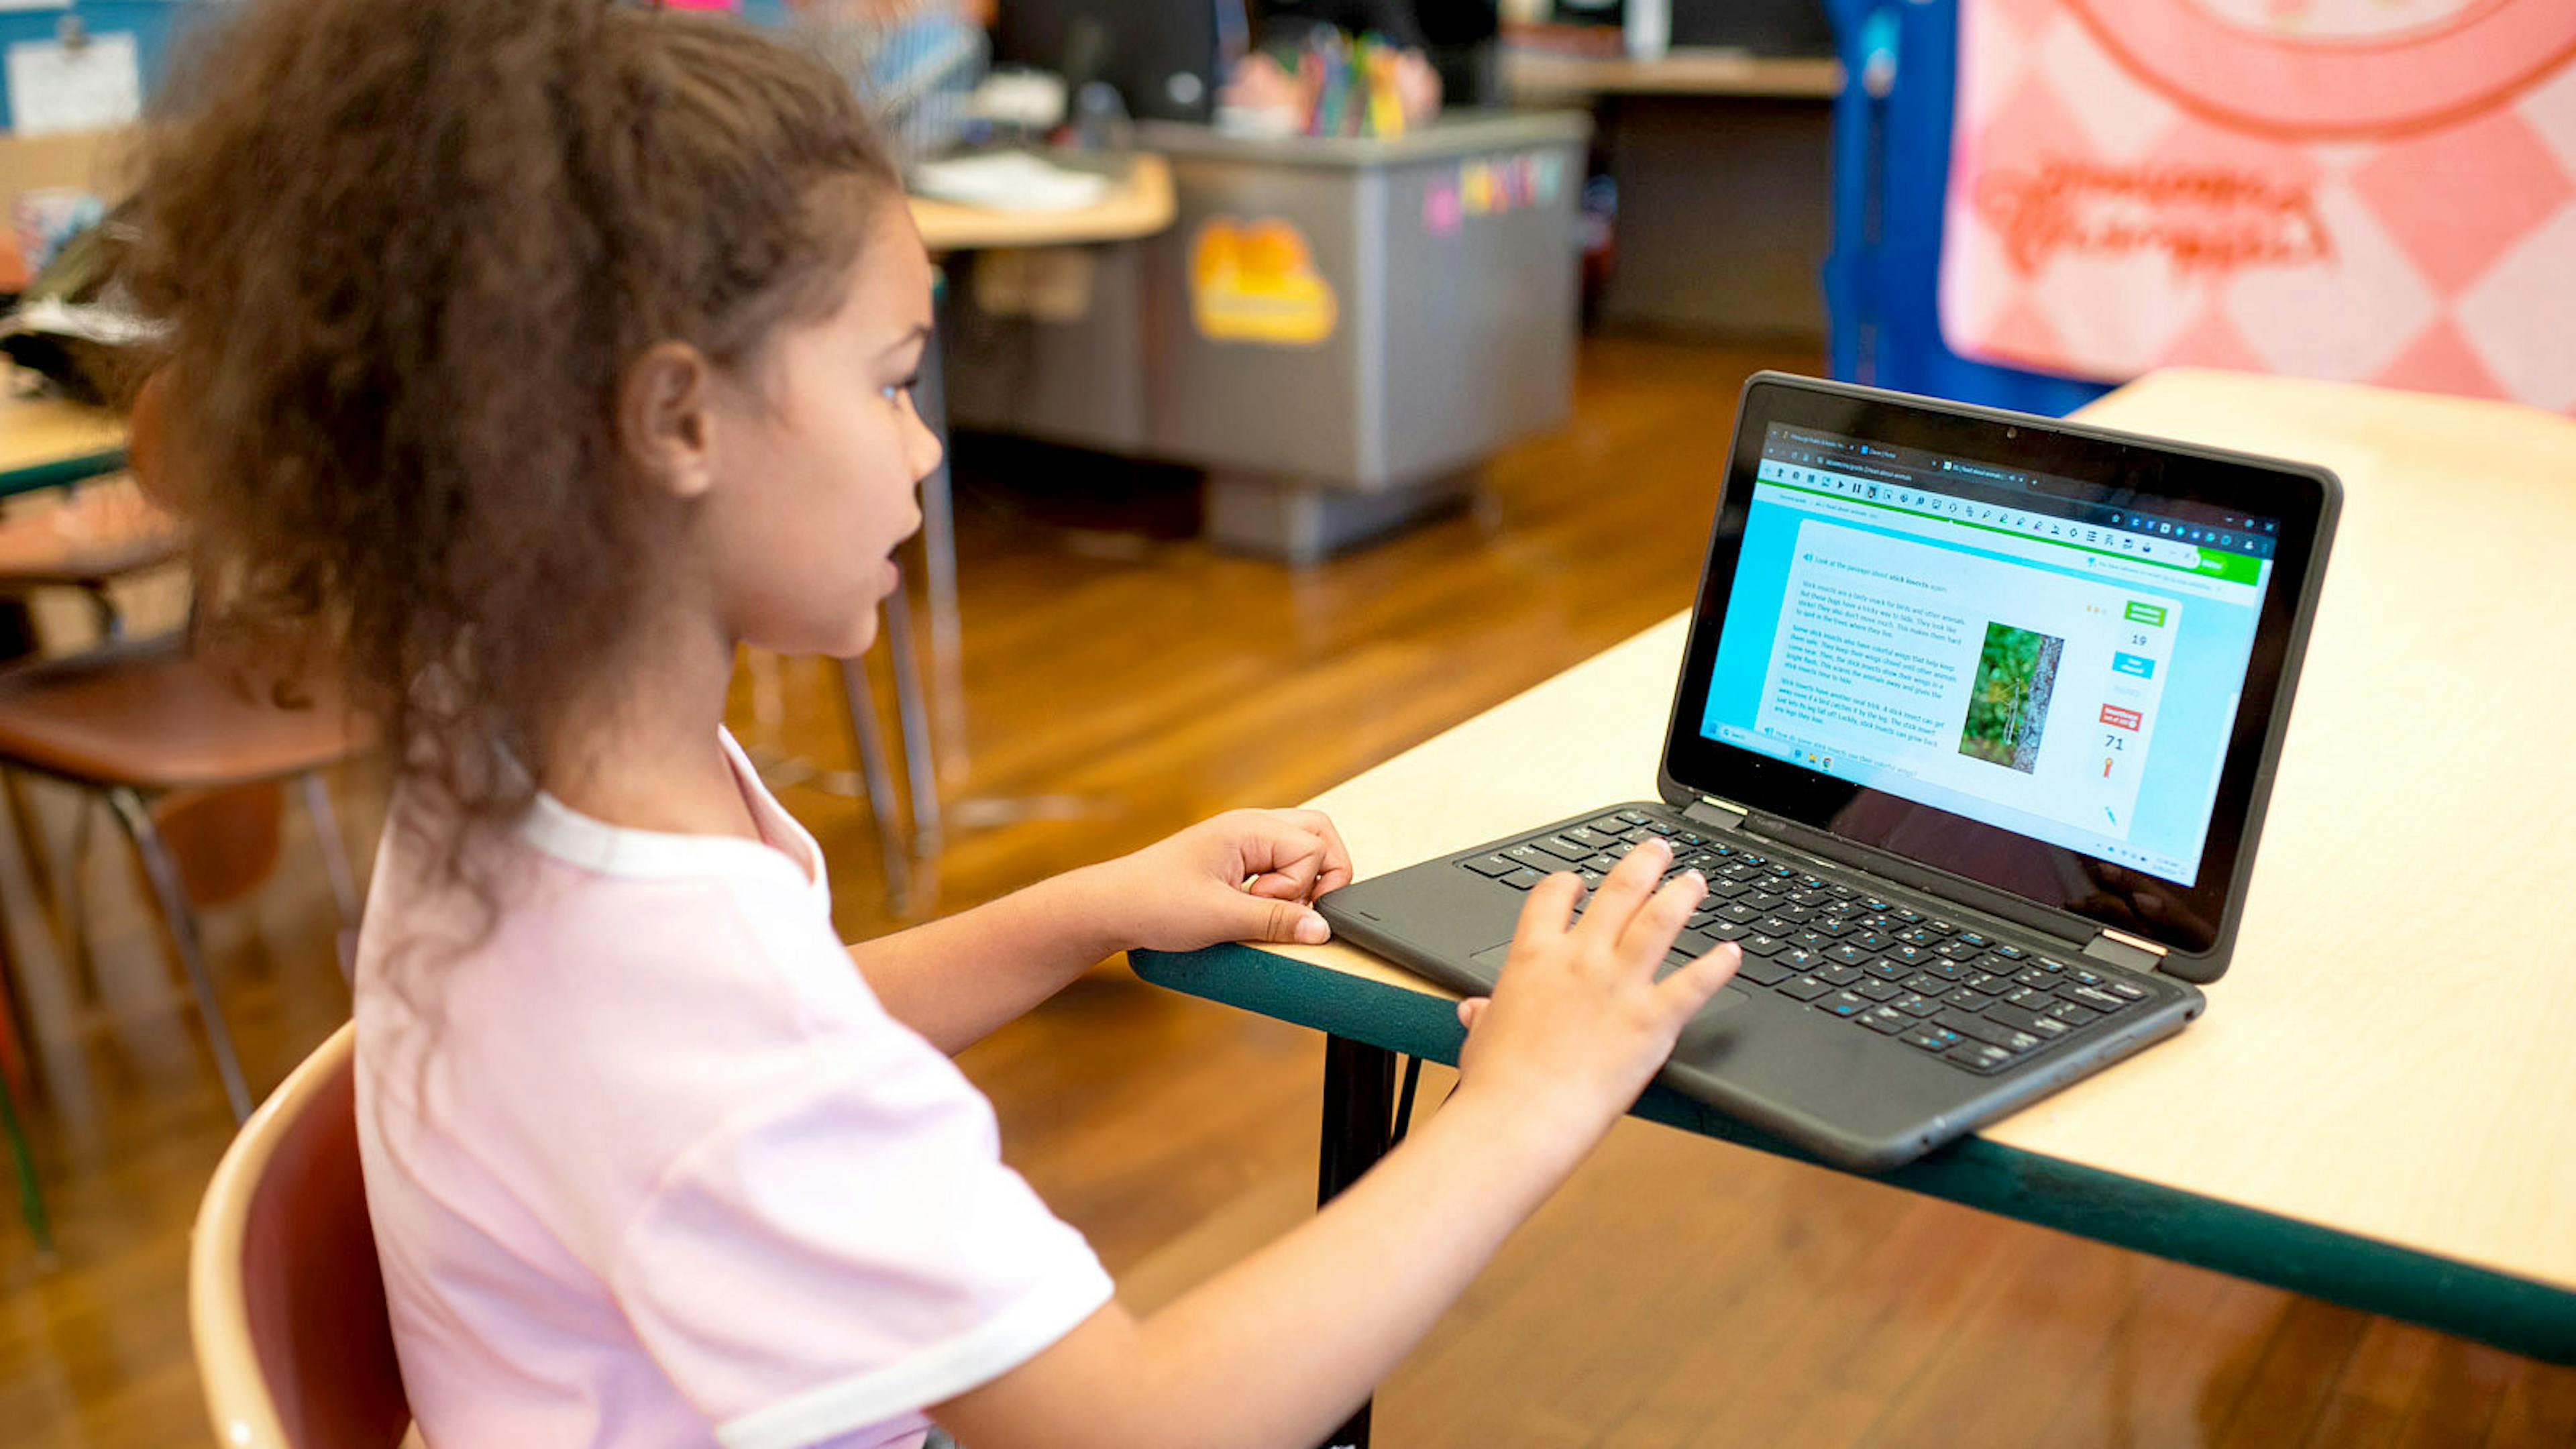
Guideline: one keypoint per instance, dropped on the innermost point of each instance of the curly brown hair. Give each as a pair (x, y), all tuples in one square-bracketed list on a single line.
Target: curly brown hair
[(409, 251)]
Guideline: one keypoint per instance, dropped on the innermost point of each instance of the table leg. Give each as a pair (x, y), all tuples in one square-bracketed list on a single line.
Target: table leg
[(1359, 1123)]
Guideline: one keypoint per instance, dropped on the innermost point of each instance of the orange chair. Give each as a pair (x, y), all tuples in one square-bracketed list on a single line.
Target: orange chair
[(285, 1301)]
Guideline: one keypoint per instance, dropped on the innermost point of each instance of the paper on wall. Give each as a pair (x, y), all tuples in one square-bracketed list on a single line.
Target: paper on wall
[(89, 86)]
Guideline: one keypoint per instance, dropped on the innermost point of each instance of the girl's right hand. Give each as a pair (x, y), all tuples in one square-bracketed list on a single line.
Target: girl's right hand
[(1578, 1024)]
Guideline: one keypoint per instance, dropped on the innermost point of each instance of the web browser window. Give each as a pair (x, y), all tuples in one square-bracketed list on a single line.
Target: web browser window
[(1992, 643)]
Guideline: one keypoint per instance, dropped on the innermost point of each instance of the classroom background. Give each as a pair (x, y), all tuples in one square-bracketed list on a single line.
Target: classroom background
[(1319, 375)]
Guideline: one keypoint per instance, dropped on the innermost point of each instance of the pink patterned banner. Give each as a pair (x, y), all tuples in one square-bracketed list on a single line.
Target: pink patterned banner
[(2367, 190)]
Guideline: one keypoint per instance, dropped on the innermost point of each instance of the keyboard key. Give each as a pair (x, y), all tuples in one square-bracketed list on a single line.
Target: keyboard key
[(1832, 925), (1911, 918), (1749, 858), (1886, 970), (1729, 931), (2085, 976), (1985, 981), (1633, 817), (1739, 912), (1847, 953), (1533, 857), (1873, 903), (1564, 849), (1611, 825), (1759, 944), (1940, 927), (1805, 988), (1620, 851), (1800, 958), (1762, 900), (2028, 998), (1800, 914), (1979, 1057), (1955, 950), (1592, 877), (1602, 863), (1971, 938), (1917, 936), (1493, 865), (1843, 892), (1695, 943), (1993, 1033), (1846, 1004), (1925, 983), (1917, 1005), (1700, 921), (2049, 966), (1946, 970), (1523, 879), (1877, 990), (2044, 1027), (2125, 989), (1839, 974), (2094, 997), (1690, 837), (2012, 953), (2035, 979), (1931, 1039), (1886, 1020), (1763, 973), (1869, 940), (2072, 1014), (1657, 827), (1776, 924)]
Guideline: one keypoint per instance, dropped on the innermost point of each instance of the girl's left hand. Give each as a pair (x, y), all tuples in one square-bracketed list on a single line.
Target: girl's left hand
[(1247, 875)]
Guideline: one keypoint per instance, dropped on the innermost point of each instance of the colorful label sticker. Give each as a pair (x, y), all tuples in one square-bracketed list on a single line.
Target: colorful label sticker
[(1491, 186), (1256, 282)]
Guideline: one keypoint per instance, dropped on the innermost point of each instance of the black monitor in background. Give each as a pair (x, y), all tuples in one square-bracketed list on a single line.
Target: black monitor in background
[(1764, 27), (1166, 57)]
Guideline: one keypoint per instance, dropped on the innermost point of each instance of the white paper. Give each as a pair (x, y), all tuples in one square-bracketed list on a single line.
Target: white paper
[(54, 87), (1009, 181)]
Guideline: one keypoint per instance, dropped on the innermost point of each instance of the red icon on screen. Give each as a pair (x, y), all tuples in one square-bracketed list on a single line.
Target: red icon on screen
[(2118, 718)]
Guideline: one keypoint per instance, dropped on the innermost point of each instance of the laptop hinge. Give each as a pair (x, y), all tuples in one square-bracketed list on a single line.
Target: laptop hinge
[(2122, 949), (1714, 813)]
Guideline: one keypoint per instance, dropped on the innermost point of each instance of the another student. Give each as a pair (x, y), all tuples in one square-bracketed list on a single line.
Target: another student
[(546, 352)]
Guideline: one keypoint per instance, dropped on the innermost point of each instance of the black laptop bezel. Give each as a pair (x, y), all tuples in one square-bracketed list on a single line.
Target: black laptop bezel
[(2196, 925)]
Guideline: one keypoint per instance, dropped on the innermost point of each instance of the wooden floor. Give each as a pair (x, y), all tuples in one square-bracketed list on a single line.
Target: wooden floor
[(1678, 1292)]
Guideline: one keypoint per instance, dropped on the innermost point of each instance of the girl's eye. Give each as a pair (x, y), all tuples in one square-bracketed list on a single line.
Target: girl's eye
[(894, 391)]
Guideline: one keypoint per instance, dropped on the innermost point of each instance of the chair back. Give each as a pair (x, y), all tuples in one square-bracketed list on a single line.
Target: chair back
[(285, 1300)]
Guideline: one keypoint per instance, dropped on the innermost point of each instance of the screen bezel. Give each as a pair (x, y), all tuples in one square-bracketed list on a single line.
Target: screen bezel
[(2193, 921)]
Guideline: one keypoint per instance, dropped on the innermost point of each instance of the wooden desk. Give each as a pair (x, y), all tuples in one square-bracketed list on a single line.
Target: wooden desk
[(1537, 78), (1141, 205), (2380, 1106), (45, 441)]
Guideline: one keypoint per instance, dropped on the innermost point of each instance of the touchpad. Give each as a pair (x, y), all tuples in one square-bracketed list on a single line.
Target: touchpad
[(1707, 1029), (1489, 962)]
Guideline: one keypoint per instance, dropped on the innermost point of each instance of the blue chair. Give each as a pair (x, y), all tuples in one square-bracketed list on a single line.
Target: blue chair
[(1891, 175)]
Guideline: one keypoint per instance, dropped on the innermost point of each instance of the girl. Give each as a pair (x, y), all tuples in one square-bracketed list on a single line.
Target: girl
[(544, 352)]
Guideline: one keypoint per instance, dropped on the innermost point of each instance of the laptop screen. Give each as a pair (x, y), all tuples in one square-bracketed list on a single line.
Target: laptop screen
[(1967, 636), (2027, 654)]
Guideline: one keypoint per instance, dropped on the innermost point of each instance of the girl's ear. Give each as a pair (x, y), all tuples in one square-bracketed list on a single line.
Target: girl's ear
[(666, 419)]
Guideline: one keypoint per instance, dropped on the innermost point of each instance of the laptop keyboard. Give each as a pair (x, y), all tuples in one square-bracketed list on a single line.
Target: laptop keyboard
[(1973, 1000)]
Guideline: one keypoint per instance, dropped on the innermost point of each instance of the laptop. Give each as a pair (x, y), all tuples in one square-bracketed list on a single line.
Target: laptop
[(1972, 739)]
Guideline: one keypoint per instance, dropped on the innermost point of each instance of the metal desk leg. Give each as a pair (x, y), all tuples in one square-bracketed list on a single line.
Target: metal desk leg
[(1359, 1120)]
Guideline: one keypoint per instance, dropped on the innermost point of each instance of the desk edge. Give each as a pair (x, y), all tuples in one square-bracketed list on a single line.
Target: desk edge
[(2518, 1315)]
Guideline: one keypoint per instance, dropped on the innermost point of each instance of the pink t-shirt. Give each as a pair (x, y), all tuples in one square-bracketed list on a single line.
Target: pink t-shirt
[(649, 1165)]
